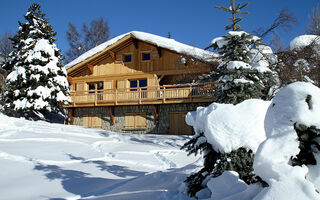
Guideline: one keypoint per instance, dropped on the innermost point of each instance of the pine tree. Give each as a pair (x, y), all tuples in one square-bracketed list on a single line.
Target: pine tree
[(37, 83), (243, 74)]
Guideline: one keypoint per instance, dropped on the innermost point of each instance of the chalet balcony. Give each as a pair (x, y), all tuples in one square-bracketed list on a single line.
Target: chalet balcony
[(168, 94)]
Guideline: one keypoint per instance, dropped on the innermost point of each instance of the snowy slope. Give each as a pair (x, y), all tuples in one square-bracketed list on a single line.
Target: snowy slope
[(50, 161)]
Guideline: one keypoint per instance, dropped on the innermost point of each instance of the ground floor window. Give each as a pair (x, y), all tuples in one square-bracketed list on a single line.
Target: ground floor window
[(92, 121), (135, 121)]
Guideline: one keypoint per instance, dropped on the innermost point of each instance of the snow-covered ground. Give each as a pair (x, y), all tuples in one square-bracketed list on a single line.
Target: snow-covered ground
[(39, 160)]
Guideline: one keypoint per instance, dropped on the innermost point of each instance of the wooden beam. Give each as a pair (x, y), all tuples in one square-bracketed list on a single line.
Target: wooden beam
[(90, 67), (71, 116), (156, 115), (111, 112), (135, 43), (70, 80), (159, 51), (161, 77), (113, 55)]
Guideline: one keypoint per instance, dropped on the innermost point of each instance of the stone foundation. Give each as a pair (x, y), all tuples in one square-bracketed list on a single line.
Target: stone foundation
[(162, 127)]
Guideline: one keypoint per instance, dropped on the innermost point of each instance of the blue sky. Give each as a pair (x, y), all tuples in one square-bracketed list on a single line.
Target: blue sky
[(189, 21)]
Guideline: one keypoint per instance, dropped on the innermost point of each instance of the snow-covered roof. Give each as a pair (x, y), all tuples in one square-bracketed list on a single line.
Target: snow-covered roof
[(159, 41)]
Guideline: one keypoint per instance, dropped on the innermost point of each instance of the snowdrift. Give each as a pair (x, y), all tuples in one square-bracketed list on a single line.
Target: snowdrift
[(268, 128), (40, 160)]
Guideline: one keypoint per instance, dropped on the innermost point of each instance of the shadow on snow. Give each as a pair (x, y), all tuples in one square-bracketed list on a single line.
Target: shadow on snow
[(83, 184)]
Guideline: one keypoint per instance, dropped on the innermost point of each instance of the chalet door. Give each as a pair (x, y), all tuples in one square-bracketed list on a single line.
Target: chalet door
[(178, 125), (92, 121)]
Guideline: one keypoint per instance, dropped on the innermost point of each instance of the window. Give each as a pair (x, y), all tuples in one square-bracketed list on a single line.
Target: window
[(95, 86), (138, 84), (92, 87), (146, 56), (135, 121), (127, 58)]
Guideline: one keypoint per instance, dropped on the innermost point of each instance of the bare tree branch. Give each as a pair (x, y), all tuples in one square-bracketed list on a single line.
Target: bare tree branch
[(91, 36), (6, 45), (314, 22), (285, 21)]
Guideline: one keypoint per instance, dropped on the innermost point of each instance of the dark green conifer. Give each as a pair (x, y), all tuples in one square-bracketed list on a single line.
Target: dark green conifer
[(240, 76), (37, 83)]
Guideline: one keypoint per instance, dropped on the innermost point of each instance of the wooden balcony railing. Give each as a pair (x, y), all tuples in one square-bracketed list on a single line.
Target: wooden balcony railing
[(145, 95)]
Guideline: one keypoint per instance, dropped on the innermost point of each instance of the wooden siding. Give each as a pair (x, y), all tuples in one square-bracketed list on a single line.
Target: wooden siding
[(109, 67), (168, 61), (178, 124)]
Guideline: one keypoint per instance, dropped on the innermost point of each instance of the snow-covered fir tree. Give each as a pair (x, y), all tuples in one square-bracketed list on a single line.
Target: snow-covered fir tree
[(37, 83), (243, 74)]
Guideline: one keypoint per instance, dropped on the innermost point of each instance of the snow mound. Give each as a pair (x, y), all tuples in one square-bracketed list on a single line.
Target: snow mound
[(294, 105), (290, 106), (304, 40), (228, 127), (154, 39), (228, 186)]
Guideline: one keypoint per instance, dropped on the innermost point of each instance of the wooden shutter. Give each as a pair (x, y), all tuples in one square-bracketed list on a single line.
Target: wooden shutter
[(140, 121), (92, 121), (85, 121), (96, 121), (129, 121), (135, 121)]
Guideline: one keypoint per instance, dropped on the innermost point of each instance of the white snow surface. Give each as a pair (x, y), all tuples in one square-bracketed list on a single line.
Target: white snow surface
[(154, 39), (271, 163), (40, 160), (221, 41), (228, 127), (228, 186), (304, 40), (238, 65)]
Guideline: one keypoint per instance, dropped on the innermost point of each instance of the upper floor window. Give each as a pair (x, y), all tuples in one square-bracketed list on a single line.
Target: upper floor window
[(127, 58), (142, 83), (95, 86), (146, 56)]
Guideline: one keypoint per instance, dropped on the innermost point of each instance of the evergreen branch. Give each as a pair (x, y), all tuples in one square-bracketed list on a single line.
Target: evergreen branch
[(223, 8), (244, 5), (240, 12)]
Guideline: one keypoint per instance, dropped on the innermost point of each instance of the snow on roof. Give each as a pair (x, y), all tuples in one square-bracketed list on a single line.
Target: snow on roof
[(163, 42)]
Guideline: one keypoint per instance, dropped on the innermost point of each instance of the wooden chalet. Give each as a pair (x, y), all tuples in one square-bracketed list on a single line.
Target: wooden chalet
[(139, 82)]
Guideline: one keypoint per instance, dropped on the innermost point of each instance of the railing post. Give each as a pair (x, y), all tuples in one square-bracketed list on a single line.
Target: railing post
[(116, 96), (164, 94), (95, 97), (190, 93), (139, 92)]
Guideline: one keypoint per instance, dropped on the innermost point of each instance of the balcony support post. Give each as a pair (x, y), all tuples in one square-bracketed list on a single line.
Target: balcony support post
[(156, 115), (111, 114)]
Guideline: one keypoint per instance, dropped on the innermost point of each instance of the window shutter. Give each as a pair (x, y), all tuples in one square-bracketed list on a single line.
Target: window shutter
[(140, 121)]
